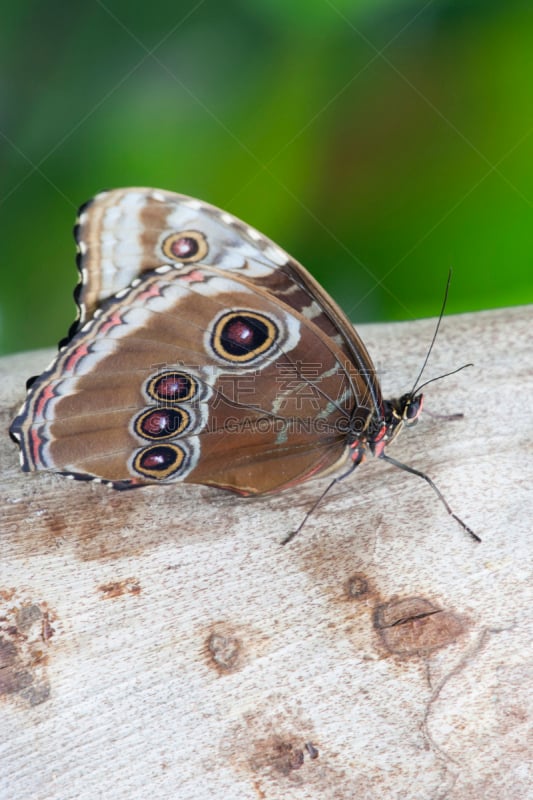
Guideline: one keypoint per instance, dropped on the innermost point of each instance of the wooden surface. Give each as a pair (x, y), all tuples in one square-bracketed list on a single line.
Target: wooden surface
[(162, 643)]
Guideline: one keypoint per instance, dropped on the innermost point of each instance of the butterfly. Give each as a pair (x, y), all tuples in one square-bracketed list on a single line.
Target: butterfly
[(202, 353)]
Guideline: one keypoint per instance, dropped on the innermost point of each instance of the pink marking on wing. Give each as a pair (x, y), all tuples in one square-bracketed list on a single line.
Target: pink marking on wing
[(35, 445), (153, 291), (79, 353), (114, 320), (47, 394), (193, 277)]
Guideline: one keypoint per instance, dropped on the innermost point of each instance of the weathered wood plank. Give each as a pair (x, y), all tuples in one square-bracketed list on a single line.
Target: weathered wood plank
[(163, 643)]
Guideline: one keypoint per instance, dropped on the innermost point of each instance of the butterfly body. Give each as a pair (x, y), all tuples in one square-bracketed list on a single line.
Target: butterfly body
[(202, 353)]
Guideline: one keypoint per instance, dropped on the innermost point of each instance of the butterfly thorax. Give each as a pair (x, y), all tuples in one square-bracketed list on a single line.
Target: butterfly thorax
[(384, 426)]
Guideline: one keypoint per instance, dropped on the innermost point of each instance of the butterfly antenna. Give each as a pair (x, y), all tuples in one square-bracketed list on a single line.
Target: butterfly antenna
[(437, 326), (437, 491), (439, 377)]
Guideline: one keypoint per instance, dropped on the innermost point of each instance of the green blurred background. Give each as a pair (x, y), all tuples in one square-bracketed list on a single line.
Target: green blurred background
[(378, 141)]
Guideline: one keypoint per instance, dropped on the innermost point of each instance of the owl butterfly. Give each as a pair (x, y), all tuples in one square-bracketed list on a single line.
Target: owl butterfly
[(202, 353)]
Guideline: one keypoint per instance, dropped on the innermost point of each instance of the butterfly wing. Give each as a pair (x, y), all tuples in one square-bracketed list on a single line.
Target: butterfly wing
[(194, 375), (202, 353), (124, 233)]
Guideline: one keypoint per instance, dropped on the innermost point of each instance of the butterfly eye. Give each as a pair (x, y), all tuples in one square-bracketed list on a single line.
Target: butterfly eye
[(172, 387), (186, 246), (412, 409), (162, 423), (159, 461), (241, 336)]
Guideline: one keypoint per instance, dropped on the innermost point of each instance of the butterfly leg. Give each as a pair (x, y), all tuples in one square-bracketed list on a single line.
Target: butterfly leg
[(355, 463), (437, 491)]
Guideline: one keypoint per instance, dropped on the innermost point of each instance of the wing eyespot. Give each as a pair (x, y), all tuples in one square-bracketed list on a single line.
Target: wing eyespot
[(242, 336), (185, 246), (159, 461), (173, 386), (162, 423)]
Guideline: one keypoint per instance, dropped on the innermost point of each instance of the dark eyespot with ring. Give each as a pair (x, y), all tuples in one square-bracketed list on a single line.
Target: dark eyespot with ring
[(162, 423), (185, 246), (172, 387), (243, 336), (159, 461)]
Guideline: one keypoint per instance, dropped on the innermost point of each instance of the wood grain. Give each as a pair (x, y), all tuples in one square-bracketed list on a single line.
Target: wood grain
[(163, 643)]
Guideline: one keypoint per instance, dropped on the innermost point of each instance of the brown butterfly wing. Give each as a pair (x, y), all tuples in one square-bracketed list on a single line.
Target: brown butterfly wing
[(124, 233), (158, 387)]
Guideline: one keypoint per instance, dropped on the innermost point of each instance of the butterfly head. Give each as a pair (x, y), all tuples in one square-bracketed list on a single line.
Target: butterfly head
[(401, 411), (404, 410)]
